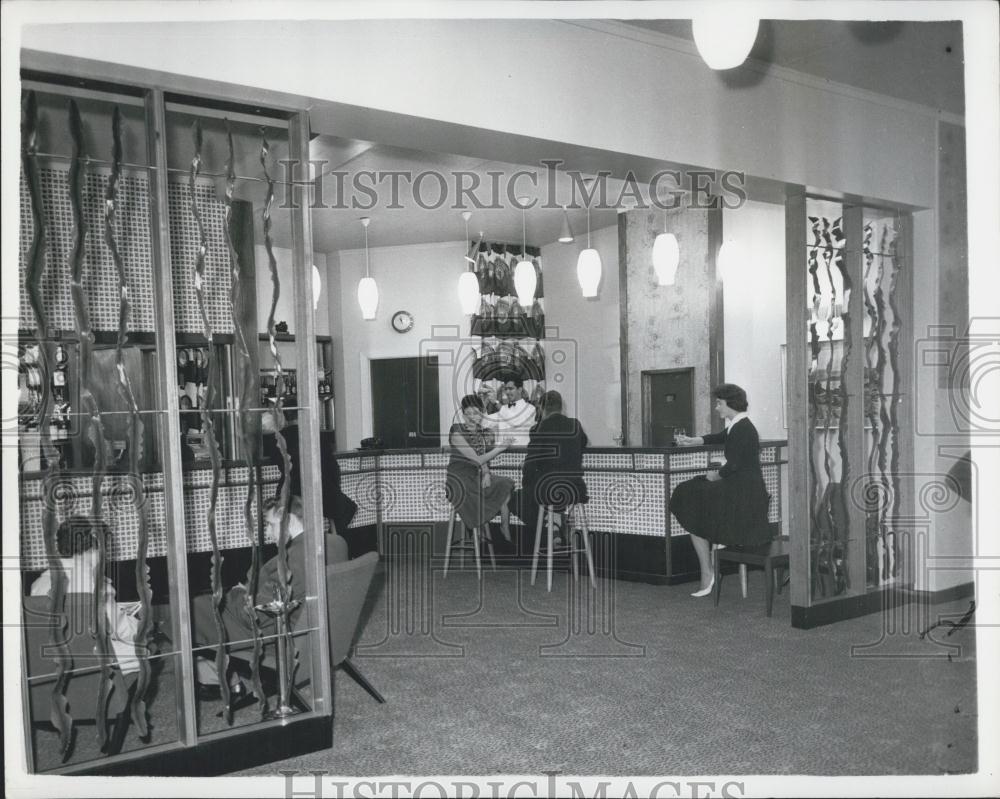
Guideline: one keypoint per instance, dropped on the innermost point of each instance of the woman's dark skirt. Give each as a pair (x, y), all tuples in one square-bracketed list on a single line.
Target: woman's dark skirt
[(730, 511)]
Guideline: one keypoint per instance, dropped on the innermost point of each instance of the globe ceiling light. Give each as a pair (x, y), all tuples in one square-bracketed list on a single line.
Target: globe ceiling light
[(724, 35)]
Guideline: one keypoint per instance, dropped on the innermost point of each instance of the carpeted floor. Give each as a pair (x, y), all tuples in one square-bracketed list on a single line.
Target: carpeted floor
[(635, 679), (501, 677)]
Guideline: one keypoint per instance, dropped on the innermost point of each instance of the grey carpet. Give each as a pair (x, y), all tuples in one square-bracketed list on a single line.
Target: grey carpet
[(630, 679), (673, 685)]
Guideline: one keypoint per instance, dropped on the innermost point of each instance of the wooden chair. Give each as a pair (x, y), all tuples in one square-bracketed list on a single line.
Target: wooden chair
[(547, 514), (772, 557), (82, 689), (467, 539)]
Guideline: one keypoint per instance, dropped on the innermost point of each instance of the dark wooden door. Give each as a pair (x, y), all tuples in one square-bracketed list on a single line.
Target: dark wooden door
[(405, 408), (667, 405)]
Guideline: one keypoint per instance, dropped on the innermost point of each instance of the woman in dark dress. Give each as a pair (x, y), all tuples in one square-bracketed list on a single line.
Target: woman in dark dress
[(727, 507), (472, 489)]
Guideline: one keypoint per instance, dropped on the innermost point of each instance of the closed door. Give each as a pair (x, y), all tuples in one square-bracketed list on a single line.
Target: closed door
[(405, 408), (667, 405)]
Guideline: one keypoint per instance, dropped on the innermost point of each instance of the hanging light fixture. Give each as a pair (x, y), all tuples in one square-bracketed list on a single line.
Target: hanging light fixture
[(525, 280), (588, 264), (468, 284), (566, 234), (317, 286), (666, 256), (367, 290), (724, 36)]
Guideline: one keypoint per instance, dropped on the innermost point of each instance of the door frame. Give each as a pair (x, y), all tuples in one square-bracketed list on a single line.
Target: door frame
[(644, 378)]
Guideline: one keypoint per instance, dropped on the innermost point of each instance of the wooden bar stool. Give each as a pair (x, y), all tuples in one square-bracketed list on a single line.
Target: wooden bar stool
[(546, 512), (468, 538)]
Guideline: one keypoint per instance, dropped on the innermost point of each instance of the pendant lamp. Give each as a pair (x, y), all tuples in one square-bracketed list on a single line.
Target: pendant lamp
[(724, 36), (367, 290), (525, 280), (317, 287), (666, 256), (468, 284), (588, 265), (566, 234)]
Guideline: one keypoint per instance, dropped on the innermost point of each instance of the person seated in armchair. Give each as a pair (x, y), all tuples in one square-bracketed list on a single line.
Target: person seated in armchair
[(235, 602), (78, 547)]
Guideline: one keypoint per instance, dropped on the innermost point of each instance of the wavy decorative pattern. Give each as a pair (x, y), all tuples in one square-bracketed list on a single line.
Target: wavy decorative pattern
[(830, 348), (284, 593), (137, 707), (94, 423), (59, 707), (246, 389), (208, 425), (883, 326)]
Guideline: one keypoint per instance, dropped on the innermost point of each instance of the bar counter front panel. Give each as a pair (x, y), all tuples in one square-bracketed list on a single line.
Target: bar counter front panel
[(629, 492)]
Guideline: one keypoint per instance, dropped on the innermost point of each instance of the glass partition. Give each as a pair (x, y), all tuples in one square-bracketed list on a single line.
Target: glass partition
[(148, 223)]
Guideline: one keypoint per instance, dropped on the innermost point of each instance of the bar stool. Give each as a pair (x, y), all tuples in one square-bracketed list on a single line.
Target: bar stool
[(773, 557), (468, 538), (547, 512)]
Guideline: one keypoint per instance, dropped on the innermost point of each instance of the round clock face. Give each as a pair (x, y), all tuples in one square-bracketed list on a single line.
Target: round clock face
[(402, 321)]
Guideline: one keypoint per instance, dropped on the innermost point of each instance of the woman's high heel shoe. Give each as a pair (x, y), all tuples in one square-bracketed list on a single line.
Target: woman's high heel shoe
[(706, 590)]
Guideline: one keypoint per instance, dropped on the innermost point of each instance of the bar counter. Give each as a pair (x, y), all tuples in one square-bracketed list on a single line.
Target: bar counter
[(629, 490)]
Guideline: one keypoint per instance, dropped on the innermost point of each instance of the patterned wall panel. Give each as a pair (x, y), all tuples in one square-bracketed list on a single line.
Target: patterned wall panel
[(183, 251), (626, 503), (603, 460), (361, 488), (646, 460), (417, 494), (100, 278)]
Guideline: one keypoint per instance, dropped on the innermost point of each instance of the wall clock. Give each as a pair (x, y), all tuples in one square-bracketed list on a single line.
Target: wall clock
[(402, 321)]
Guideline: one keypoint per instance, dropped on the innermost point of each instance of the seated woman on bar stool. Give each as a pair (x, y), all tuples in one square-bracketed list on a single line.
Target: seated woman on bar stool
[(475, 493), (728, 506)]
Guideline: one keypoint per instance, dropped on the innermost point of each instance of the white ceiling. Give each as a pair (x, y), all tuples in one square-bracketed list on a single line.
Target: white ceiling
[(906, 60)]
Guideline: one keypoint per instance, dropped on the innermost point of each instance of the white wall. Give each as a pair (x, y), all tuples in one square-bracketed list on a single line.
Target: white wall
[(595, 90), (588, 328), (754, 311), (421, 279)]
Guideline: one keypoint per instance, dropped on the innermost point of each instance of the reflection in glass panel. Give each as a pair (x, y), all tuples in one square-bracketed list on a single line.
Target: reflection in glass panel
[(881, 327)]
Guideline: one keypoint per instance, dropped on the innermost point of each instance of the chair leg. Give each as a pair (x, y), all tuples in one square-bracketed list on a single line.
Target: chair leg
[(538, 543), (743, 579), (447, 545), (769, 583), (551, 526), (586, 545), (717, 577), (475, 550), (360, 679), (488, 539), (571, 532)]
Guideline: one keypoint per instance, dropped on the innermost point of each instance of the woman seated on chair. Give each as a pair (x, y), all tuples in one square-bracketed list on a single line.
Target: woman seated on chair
[(79, 550), (728, 506), (476, 494)]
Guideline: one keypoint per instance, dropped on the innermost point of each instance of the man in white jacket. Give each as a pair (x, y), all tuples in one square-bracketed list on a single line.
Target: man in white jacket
[(516, 416)]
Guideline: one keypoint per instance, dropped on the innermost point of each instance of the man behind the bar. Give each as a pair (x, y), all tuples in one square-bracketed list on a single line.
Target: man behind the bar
[(553, 467)]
